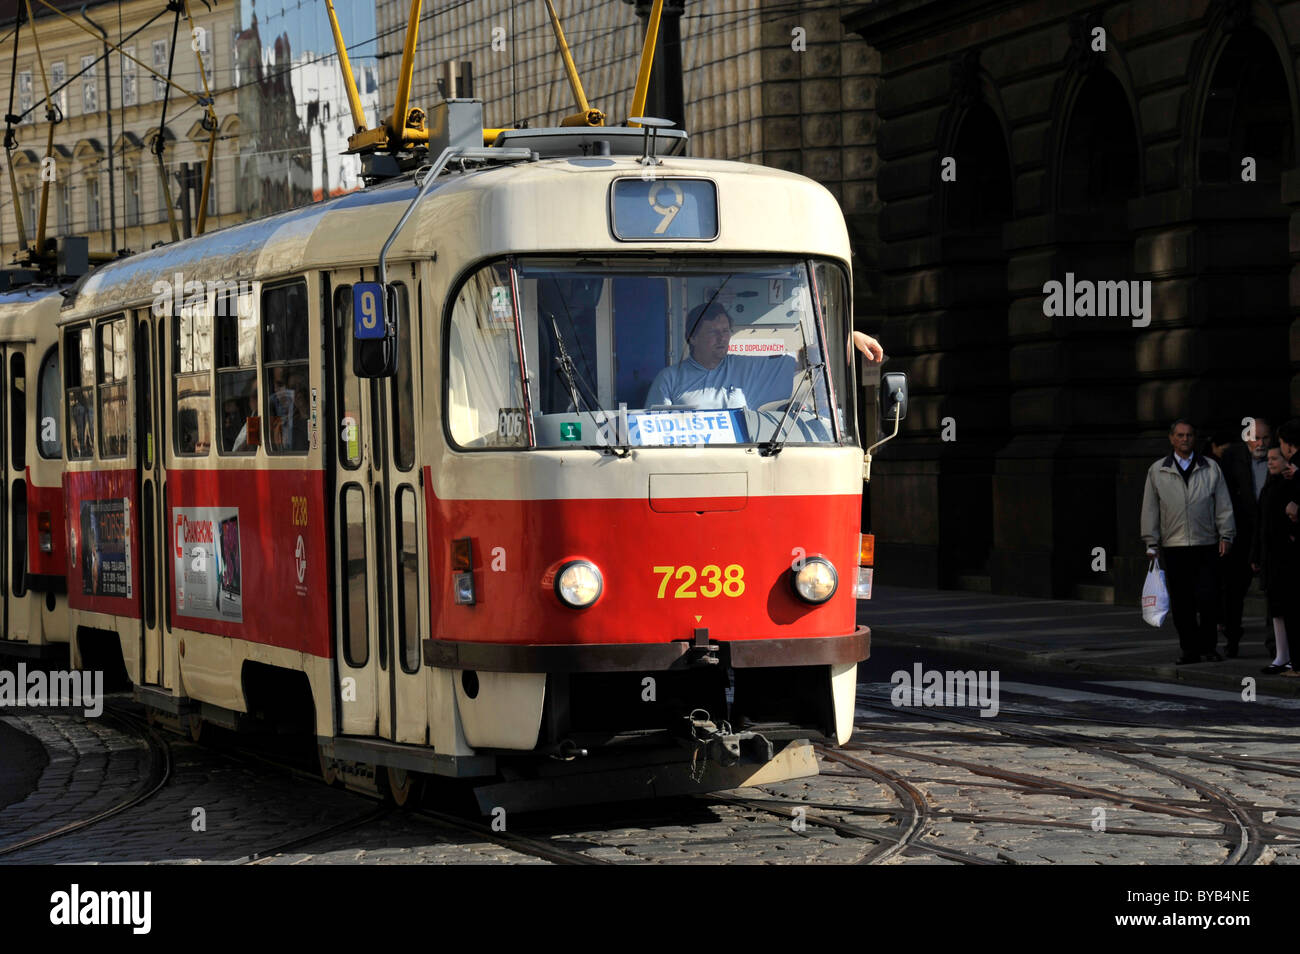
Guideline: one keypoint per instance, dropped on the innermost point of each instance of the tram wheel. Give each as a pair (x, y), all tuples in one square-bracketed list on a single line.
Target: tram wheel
[(403, 787)]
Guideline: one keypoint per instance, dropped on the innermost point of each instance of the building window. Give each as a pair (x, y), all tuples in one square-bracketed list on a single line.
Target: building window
[(65, 207), (25, 96), (212, 188), (206, 52), (130, 95), (159, 67), (92, 204), (132, 197), (234, 56), (29, 206), (59, 76), (89, 86)]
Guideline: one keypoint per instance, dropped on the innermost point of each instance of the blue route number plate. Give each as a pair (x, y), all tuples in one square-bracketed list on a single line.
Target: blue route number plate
[(368, 311)]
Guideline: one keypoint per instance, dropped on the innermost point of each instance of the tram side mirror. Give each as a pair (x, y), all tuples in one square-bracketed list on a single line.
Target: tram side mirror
[(374, 331), (893, 395)]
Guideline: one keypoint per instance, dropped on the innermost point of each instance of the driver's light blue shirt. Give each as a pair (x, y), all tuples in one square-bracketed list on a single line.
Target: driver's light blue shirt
[(738, 381)]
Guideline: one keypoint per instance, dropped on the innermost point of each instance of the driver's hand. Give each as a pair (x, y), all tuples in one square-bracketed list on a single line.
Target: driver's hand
[(869, 346)]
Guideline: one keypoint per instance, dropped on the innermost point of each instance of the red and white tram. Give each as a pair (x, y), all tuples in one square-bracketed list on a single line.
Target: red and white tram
[(32, 557), (509, 559)]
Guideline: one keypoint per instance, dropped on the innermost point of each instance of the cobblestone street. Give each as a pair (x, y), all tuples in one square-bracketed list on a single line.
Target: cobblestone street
[(1156, 778)]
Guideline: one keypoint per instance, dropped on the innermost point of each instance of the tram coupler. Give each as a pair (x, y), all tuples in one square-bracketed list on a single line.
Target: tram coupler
[(701, 651), (710, 740)]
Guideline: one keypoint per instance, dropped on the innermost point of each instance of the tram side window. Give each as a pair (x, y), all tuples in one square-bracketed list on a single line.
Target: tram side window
[(284, 357), (356, 635), (403, 391), (48, 442), (485, 402), (112, 388), (833, 295), (237, 374), (349, 424), (18, 411), (192, 379), (79, 380), (408, 581)]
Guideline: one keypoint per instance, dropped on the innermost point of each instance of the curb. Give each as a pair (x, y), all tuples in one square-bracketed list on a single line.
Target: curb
[(1069, 662)]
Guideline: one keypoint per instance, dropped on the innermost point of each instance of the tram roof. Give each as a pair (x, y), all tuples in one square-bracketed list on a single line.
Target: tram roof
[(25, 311), (479, 214)]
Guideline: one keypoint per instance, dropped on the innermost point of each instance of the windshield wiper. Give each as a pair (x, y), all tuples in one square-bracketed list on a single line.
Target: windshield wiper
[(775, 445), (568, 372)]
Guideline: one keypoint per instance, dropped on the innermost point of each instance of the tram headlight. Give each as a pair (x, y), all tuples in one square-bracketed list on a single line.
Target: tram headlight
[(816, 581), (578, 584)]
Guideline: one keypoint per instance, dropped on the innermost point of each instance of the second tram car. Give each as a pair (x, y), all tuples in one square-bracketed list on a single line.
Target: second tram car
[(33, 604), (545, 552)]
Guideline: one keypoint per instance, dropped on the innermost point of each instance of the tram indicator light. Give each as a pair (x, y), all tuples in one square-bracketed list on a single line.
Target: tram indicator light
[(462, 554), (368, 311), (867, 549), (43, 532)]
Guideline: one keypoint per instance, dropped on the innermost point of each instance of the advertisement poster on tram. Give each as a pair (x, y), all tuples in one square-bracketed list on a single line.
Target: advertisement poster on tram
[(206, 556), (105, 547)]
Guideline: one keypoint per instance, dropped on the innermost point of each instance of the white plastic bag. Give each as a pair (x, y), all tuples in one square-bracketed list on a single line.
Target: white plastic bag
[(1155, 598)]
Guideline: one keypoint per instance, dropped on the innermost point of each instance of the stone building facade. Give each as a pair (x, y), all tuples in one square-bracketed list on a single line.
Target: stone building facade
[(84, 199), (1111, 142)]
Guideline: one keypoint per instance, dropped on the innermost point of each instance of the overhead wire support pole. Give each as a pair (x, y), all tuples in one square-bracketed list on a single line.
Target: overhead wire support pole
[(10, 142), (160, 144), (349, 78), (108, 112), (647, 61), (209, 123), (54, 116)]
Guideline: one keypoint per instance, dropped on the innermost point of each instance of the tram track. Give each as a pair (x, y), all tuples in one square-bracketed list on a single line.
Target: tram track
[(1239, 824), (448, 821), (160, 770)]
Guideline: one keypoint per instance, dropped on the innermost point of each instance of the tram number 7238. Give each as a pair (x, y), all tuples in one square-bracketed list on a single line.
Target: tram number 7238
[(716, 581)]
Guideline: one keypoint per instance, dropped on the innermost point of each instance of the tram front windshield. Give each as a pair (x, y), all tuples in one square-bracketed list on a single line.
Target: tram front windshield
[(618, 353)]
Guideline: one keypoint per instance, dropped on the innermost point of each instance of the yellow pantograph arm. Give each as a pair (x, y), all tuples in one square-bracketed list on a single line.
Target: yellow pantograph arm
[(345, 65)]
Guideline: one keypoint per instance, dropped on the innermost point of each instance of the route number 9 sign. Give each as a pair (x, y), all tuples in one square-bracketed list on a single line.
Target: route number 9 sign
[(367, 311)]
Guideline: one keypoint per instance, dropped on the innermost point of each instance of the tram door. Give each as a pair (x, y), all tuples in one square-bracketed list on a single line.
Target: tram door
[(149, 480), (18, 608), (381, 552)]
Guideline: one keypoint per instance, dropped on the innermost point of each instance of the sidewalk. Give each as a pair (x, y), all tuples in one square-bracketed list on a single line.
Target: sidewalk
[(1062, 635)]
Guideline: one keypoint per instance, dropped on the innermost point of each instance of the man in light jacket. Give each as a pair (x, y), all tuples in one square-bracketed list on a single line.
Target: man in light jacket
[(1187, 516)]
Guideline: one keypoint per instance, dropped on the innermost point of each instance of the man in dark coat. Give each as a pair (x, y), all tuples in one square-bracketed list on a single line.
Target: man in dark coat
[(1245, 469)]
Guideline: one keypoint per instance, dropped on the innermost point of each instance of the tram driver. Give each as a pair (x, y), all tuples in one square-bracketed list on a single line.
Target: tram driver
[(711, 377)]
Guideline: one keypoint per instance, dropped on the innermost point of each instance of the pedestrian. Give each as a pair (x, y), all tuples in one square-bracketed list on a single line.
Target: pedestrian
[(1276, 557), (1187, 522), (1288, 439), (1245, 468)]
